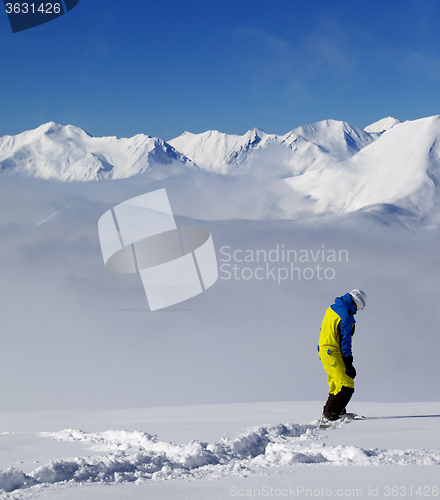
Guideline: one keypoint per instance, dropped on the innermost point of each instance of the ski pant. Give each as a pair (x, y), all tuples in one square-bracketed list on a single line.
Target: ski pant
[(340, 384)]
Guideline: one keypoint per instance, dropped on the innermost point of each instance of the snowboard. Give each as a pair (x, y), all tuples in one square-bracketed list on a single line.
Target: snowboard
[(323, 423)]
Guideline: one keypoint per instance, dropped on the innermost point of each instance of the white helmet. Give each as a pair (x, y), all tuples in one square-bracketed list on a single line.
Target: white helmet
[(360, 298)]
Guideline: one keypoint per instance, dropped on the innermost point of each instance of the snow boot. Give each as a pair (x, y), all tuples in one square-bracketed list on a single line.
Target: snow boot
[(337, 403)]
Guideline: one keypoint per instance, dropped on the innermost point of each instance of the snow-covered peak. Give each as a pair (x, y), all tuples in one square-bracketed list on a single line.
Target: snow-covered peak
[(55, 129), (219, 152), (340, 139), (255, 132), (382, 125)]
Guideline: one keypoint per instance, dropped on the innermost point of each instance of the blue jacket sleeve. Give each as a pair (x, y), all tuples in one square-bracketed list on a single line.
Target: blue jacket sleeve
[(346, 331)]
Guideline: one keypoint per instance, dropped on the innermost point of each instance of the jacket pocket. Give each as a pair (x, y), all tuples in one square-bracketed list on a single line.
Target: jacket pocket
[(327, 357)]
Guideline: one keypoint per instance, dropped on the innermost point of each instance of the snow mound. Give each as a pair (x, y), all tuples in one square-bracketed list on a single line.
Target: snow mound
[(13, 479), (139, 457)]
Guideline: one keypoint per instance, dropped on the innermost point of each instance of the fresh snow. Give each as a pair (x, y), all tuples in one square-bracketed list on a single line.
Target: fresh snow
[(216, 443)]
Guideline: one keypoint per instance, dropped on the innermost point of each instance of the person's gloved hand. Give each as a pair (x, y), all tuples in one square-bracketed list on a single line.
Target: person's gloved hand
[(350, 370)]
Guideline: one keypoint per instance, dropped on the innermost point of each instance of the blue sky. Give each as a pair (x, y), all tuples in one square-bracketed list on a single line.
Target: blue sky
[(160, 68)]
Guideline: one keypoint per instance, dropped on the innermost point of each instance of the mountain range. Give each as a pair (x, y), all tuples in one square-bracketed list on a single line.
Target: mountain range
[(67, 153), (331, 166)]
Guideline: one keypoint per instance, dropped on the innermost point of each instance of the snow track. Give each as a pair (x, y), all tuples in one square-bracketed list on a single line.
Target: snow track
[(137, 456)]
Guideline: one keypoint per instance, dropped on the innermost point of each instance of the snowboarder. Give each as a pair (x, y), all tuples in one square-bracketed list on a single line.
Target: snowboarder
[(335, 351)]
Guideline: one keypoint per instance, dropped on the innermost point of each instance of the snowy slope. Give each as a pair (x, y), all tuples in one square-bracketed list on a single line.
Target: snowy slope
[(244, 443), (401, 169), (67, 153)]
